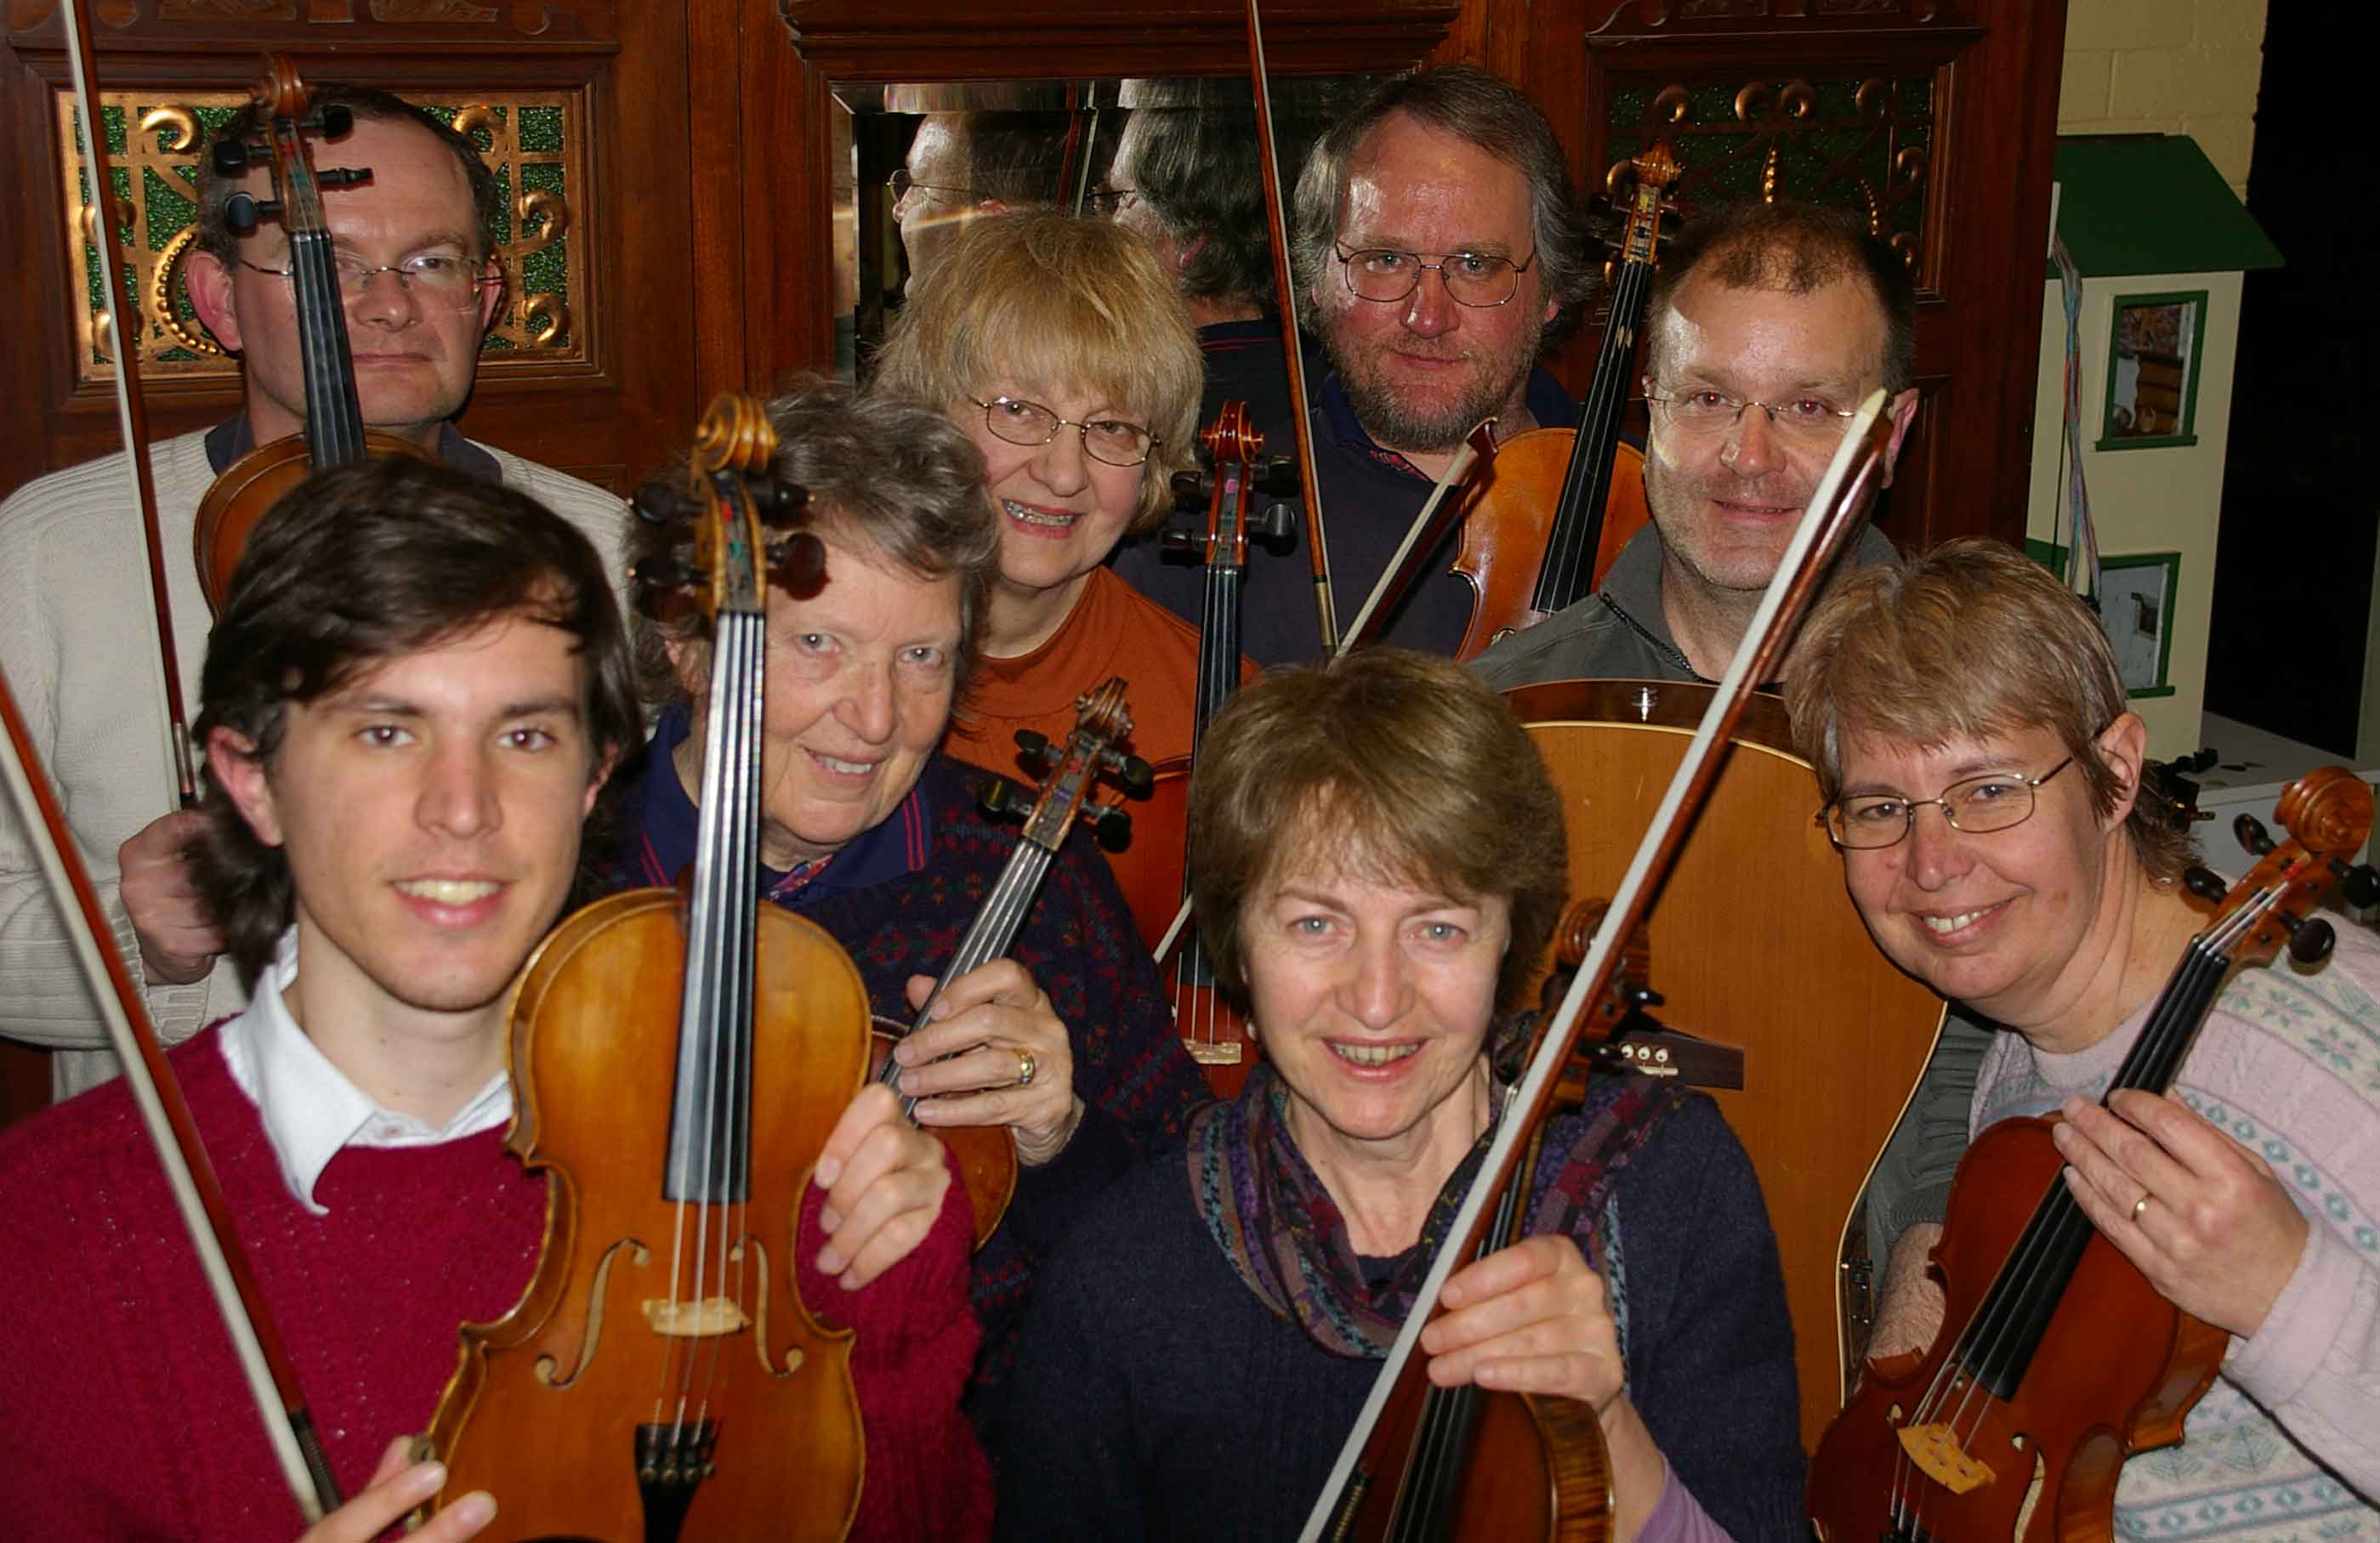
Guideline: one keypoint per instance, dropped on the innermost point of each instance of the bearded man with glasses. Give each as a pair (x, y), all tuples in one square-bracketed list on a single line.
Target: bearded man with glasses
[(1983, 778), (1438, 255), (419, 283)]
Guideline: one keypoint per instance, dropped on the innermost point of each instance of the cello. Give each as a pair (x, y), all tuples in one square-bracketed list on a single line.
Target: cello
[(334, 431), (2057, 1360), (1527, 550)]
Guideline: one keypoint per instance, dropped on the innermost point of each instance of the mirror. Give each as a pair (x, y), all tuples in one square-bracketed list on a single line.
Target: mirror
[(915, 161)]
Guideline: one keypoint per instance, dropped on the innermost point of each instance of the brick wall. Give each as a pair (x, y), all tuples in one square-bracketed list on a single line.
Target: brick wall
[(2175, 67)]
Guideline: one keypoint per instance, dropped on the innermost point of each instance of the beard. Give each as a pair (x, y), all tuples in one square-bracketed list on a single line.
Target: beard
[(1428, 426)]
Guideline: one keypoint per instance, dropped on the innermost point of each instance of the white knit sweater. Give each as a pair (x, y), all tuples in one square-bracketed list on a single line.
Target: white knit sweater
[(79, 639)]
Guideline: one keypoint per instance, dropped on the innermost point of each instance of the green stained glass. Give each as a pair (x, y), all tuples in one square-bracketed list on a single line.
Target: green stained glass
[(541, 130), (1628, 107), (504, 206)]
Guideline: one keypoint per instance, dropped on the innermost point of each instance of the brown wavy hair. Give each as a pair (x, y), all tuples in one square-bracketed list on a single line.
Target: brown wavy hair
[(364, 564), (1405, 765)]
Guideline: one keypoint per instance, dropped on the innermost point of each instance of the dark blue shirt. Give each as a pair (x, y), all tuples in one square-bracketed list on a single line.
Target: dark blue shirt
[(1370, 496)]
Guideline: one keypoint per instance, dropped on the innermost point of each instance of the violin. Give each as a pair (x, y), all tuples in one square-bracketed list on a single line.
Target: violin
[(2056, 1357), (1426, 1461), (987, 1154), (1544, 522), (335, 421), (677, 1063), (1155, 874)]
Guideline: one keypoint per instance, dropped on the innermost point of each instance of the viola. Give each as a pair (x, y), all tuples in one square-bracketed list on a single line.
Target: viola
[(1422, 1461), (677, 1063), (1156, 873), (2057, 1360), (1545, 524), (335, 431), (987, 1154)]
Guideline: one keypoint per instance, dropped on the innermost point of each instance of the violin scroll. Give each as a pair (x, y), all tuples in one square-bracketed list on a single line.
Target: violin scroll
[(1101, 718), (2327, 814), (728, 498)]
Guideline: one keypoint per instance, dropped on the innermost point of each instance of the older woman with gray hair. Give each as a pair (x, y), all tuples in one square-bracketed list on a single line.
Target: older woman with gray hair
[(868, 831)]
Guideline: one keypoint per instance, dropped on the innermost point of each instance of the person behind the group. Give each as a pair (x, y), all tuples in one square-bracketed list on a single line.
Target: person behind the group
[(1983, 776), (1379, 861), (418, 683), (1439, 256), (1062, 349), (869, 832), (1768, 325), (415, 248), (1188, 175), (964, 165)]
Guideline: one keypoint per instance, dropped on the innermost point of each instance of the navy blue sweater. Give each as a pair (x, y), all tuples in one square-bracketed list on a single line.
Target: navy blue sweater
[(1156, 1397)]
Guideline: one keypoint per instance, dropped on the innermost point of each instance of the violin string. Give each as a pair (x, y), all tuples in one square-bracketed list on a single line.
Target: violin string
[(731, 1050), (2207, 957)]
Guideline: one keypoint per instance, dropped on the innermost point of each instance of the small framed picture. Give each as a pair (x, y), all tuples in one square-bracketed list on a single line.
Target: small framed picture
[(2136, 598), (2152, 370)]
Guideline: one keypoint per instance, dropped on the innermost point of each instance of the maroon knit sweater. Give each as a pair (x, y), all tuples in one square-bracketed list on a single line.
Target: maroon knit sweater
[(123, 1413)]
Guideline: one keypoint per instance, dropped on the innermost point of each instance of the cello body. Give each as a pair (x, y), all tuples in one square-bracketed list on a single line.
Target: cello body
[(2133, 1350), (601, 1341), (1509, 523)]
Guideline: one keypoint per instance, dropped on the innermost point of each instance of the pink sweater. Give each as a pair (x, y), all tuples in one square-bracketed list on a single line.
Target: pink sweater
[(125, 1416)]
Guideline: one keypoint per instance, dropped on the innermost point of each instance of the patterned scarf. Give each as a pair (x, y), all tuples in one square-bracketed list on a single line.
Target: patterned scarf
[(1268, 1211)]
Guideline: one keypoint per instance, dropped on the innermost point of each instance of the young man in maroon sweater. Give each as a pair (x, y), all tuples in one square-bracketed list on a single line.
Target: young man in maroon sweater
[(416, 690)]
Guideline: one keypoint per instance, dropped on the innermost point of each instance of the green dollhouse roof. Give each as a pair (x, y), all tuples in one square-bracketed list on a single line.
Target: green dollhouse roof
[(2152, 203)]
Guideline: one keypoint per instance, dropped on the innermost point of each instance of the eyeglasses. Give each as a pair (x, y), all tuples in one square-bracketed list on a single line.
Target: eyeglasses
[(899, 182), (1705, 412), (1108, 202), (1472, 279), (1978, 805), (435, 279), (1111, 440)]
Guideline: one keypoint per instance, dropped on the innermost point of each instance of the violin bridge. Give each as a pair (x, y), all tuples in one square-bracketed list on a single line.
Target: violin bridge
[(705, 1319), (1207, 1052), (1935, 1451)]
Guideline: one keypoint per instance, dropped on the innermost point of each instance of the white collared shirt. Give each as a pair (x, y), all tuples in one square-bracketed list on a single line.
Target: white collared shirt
[(309, 1108)]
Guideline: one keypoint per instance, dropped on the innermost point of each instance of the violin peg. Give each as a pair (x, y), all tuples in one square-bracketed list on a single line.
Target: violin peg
[(798, 565), (999, 799), (663, 503), (1191, 489), (2361, 884), (334, 120), (1279, 479), (1035, 744), (1133, 772), (1190, 541), (2206, 883), (2252, 834), (241, 213), (1112, 826), (2311, 938), (1276, 525), (230, 155), (659, 573), (343, 177), (778, 502)]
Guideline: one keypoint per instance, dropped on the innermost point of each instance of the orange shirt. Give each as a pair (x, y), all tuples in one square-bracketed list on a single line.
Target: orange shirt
[(1114, 630)]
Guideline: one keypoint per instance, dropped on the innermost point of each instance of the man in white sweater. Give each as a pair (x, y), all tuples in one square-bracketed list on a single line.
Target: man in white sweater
[(413, 247)]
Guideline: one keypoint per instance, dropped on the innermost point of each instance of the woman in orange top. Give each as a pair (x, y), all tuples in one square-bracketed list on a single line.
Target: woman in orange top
[(1062, 348)]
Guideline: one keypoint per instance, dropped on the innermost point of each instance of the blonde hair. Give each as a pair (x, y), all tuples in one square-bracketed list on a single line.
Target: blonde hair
[(1056, 303), (1403, 767), (1971, 642)]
